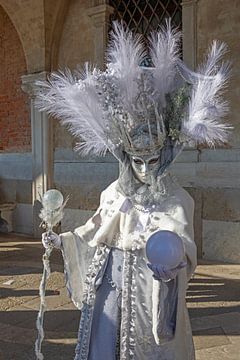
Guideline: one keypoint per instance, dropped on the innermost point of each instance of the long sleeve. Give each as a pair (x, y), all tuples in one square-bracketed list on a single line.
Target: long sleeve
[(169, 298), (77, 254), (165, 310)]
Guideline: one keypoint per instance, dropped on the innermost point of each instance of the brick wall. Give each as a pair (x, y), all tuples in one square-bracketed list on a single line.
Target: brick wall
[(15, 126)]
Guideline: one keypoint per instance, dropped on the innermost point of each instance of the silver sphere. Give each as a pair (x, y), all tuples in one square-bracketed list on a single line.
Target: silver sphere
[(165, 248)]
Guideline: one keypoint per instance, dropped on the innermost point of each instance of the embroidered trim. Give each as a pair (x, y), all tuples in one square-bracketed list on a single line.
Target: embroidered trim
[(128, 306), (89, 296), (132, 337)]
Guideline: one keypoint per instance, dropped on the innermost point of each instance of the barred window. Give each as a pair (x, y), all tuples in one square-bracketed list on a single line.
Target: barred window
[(144, 16)]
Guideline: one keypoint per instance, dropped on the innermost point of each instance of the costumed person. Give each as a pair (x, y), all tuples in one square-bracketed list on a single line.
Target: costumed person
[(144, 116)]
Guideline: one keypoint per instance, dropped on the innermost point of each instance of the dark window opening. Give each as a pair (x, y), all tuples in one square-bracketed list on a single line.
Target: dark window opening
[(144, 16)]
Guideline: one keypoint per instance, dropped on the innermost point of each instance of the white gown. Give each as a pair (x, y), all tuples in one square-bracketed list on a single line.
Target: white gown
[(139, 326)]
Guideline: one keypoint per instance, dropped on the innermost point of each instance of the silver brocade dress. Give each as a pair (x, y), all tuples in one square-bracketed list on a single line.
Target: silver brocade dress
[(106, 323), (104, 343)]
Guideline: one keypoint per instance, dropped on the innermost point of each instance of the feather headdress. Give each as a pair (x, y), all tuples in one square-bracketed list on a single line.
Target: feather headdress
[(136, 109)]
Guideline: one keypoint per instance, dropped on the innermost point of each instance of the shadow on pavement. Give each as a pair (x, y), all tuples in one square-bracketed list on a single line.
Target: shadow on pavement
[(210, 295), (7, 292), (18, 334)]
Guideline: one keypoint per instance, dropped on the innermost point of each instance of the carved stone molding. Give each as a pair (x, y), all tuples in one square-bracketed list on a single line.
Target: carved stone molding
[(189, 2), (99, 2), (100, 19), (189, 25), (29, 82)]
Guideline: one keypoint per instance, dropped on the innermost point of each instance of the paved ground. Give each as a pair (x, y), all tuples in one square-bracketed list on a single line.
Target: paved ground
[(213, 301)]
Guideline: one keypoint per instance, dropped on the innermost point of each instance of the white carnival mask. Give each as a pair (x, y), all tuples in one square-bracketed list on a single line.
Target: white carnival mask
[(145, 167)]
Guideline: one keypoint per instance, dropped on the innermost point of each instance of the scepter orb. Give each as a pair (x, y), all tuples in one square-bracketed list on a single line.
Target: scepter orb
[(52, 210), (165, 248), (52, 199)]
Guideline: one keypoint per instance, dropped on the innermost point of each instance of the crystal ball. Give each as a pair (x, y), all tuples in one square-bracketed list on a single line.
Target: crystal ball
[(165, 248), (52, 199)]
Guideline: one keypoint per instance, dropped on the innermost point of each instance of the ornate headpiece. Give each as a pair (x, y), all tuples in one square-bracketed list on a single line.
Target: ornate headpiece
[(136, 109)]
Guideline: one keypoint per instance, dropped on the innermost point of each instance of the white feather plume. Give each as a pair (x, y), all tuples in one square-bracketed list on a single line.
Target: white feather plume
[(95, 105), (164, 51), (125, 54), (75, 102), (206, 105)]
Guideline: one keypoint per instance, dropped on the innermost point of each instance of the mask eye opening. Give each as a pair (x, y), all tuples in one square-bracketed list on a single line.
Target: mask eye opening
[(137, 161), (153, 161)]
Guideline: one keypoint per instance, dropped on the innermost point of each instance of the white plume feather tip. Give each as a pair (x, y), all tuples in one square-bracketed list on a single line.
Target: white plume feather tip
[(164, 51), (75, 102), (206, 106), (125, 53)]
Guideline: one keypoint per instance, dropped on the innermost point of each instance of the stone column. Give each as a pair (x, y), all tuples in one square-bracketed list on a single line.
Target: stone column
[(189, 24), (42, 149), (100, 19)]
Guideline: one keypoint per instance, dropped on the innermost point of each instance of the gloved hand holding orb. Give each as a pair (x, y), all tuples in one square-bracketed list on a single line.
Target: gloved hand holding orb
[(165, 252)]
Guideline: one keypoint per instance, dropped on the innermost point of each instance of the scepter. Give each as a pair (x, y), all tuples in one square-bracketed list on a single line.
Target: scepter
[(51, 214)]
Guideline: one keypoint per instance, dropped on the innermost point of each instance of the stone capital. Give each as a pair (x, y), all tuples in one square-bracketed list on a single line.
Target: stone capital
[(100, 14), (100, 19), (29, 82), (189, 2)]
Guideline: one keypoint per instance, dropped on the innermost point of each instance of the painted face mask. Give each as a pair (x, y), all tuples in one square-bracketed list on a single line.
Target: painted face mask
[(145, 167)]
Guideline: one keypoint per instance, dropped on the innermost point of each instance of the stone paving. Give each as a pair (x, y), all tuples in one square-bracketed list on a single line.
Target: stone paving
[(213, 300)]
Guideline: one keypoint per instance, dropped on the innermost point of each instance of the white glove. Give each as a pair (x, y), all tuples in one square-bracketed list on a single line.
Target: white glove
[(161, 273), (51, 239)]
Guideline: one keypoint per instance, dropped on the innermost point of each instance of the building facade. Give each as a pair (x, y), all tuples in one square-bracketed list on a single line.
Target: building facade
[(37, 37)]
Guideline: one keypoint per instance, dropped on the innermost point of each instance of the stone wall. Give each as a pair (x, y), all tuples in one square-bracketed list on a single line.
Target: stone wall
[(219, 19), (219, 195), (16, 187), (76, 47), (15, 128), (15, 125), (30, 33), (24, 49), (212, 175)]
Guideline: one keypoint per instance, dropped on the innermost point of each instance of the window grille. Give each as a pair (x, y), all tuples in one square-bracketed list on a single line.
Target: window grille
[(144, 16)]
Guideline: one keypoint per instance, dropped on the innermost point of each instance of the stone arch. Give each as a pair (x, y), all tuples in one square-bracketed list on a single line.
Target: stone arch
[(28, 20), (39, 25), (54, 18)]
